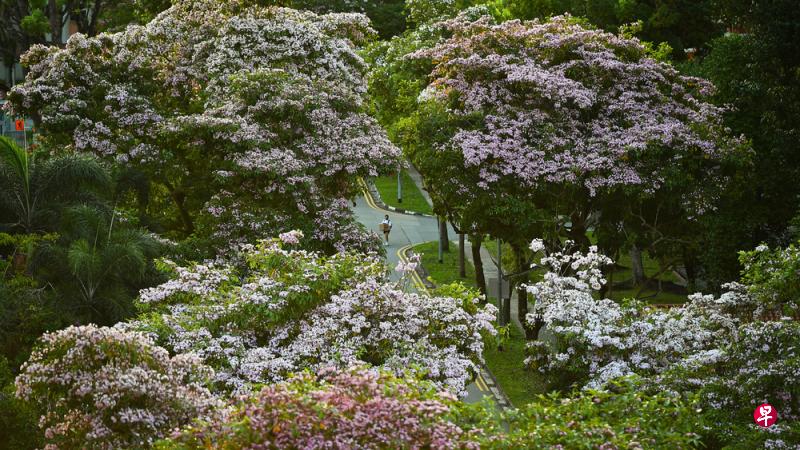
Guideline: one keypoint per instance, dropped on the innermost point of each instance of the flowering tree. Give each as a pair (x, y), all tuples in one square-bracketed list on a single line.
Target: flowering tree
[(553, 127), (356, 408), (285, 310), (249, 118), (103, 388)]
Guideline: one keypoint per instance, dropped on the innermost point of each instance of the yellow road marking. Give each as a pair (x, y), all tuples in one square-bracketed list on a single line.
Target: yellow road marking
[(368, 195), (414, 275), (481, 383)]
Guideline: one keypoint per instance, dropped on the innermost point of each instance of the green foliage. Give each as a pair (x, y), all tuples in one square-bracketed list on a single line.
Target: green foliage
[(622, 417), (387, 16), (18, 428), (97, 265), (26, 311), (757, 73), (34, 188), (35, 23), (680, 24), (773, 278)]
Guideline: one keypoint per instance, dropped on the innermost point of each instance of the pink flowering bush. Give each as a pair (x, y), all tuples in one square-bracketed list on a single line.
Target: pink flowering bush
[(250, 119), (103, 388), (355, 408), (283, 311)]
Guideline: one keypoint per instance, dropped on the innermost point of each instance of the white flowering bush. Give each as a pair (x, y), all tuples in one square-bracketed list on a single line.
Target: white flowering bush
[(598, 339), (721, 348), (285, 310), (760, 365), (104, 388)]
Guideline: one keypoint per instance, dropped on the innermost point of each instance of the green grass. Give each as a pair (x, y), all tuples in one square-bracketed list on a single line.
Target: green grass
[(447, 271), (412, 197), (520, 385)]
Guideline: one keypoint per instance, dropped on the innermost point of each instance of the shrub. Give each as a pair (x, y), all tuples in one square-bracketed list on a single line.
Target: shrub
[(355, 408), (621, 417), (291, 310), (103, 388)]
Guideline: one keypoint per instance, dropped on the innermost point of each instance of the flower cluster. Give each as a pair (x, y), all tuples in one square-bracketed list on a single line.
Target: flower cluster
[(599, 339), (105, 388), (355, 408), (290, 310)]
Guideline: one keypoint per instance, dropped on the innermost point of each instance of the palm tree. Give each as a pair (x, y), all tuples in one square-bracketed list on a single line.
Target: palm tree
[(97, 265), (33, 190)]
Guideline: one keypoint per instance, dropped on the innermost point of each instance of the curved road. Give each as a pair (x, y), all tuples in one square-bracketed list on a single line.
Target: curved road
[(409, 230)]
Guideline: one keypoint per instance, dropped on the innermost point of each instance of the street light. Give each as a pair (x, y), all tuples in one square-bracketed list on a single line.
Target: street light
[(399, 187), (500, 282)]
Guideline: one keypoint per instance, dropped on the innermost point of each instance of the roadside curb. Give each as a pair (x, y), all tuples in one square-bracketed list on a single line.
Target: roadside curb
[(485, 376), (370, 190)]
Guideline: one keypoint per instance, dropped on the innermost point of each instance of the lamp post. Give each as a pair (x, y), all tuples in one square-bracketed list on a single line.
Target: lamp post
[(500, 282), (399, 187)]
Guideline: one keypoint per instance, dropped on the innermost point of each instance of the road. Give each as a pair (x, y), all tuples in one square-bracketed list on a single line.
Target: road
[(409, 230)]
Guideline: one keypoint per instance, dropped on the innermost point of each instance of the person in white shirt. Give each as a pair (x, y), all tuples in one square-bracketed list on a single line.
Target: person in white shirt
[(386, 227)]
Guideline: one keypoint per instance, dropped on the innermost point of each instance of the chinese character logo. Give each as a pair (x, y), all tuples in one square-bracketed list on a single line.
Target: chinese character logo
[(765, 415)]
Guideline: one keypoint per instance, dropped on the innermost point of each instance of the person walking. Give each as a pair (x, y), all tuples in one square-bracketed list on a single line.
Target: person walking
[(386, 227)]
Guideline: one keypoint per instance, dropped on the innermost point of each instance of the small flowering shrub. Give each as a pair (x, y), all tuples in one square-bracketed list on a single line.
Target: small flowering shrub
[(103, 388), (598, 339), (622, 416), (722, 348), (762, 365), (773, 279), (286, 310), (335, 409)]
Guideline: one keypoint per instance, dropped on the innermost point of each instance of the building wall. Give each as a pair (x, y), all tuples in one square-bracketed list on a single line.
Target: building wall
[(70, 27)]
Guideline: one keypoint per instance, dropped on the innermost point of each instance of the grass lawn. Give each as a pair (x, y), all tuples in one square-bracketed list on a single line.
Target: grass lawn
[(412, 197), (447, 271), (520, 385)]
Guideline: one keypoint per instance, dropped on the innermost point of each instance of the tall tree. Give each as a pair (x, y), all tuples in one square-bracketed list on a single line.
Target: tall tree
[(250, 119), (683, 24), (757, 72), (553, 127)]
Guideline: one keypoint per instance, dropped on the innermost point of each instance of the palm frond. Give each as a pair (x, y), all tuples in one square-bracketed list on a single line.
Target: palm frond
[(14, 158), (68, 176)]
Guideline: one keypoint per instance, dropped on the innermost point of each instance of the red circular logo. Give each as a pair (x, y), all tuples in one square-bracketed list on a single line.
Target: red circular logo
[(765, 415)]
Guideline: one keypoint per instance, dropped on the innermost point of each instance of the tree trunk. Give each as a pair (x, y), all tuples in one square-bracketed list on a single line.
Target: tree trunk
[(179, 198), (462, 270), (56, 23), (480, 279), (690, 266), (637, 266), (522, 293), (577, 232), (445, 240)]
